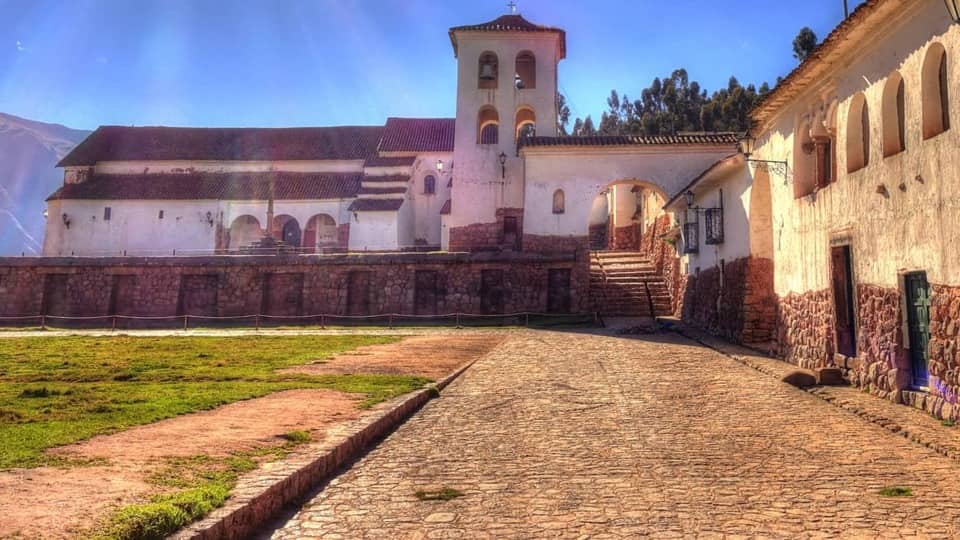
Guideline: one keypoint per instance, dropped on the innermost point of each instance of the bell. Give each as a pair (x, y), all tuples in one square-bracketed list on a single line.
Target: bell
[(487, 72)]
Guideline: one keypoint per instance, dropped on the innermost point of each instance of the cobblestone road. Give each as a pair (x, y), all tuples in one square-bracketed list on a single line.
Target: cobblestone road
[(569, 435)]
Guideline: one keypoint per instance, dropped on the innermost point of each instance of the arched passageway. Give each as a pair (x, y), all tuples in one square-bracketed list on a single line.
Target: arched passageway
[(244, 231), (626, 212), (321, 232), (287, 229)]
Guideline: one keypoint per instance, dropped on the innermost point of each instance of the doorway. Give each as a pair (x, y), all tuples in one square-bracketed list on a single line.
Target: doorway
[(918, 325), (843, 303), (291, 233), (511, 232)]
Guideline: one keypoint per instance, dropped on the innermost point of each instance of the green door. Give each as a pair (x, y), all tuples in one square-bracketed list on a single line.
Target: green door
[(918, 322)]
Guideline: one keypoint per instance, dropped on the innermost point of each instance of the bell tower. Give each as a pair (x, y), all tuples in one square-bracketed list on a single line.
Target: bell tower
[(506, 90)]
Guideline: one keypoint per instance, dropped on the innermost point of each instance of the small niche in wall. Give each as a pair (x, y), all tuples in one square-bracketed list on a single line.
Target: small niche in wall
[(107, 213), (160, 215)]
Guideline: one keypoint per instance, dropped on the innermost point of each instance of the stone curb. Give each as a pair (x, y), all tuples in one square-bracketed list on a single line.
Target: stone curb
[(281, 483), (820, 393)]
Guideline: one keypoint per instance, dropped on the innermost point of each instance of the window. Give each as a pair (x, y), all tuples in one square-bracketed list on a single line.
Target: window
[(526, 72), (525, 123), (691, 240), (893, 115), (488, 71), (713, 226), (935, 94), (559, 202), (160, 215), (107, 212), (858, 134), (429, 185), (488, 126)]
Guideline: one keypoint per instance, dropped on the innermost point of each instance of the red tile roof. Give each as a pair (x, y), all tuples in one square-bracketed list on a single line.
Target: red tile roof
[(509, 23), (389, 178), (118, 143), (382, 190), (376, 205), (445, 209), (378, 161), (418, 135), (213, 186), (630, 140)]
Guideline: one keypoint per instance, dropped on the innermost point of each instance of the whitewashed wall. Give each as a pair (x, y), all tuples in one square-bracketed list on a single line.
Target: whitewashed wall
[(374, 231), (426, 208)]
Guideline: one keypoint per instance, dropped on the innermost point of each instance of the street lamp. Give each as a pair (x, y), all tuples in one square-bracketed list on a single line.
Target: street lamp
[(439, 166), (953, 6), (689, 195), (503, 165), (746, 146)]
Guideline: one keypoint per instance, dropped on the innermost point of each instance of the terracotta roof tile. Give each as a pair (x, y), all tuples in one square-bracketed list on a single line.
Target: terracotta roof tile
[(388, 178), (418, 135), (382, 190), (629, 140), (213, 186), (509, 23), (378, 161), (118, 143), (445, 209), (376, 205)]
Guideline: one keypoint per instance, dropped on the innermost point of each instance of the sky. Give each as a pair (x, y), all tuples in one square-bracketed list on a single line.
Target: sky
[(273, 63)]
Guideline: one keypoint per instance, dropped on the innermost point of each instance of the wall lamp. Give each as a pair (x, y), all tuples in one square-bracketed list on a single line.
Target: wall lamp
[(439, 166), (503, 165), (690, 196), (746, 146), (66, 220), (953, 6)]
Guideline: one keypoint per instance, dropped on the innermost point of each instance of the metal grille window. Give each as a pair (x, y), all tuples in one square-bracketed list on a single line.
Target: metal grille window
[(714, 226), (691, 241)]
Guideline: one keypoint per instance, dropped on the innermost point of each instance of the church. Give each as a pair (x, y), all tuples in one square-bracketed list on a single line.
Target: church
[(828, 235), (496, 177)]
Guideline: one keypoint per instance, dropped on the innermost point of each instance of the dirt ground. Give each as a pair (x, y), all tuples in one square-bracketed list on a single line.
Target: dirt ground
[(431, 356), (48, 502)]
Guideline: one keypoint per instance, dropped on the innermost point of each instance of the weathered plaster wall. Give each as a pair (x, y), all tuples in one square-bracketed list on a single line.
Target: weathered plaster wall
[(426, 207), (375, 231), (479, 188), (737, 194)]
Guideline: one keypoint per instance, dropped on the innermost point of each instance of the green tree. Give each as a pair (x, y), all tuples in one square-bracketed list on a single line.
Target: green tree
[(563, 113), (804, 44)]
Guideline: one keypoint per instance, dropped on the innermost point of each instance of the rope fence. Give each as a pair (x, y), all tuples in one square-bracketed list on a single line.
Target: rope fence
[(323, 320)]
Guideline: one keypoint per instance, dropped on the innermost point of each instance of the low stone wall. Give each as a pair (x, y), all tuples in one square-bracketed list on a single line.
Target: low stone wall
[(804, 333), (944, 351), (291, 285), (881, 364), (736, 302), (627, 238), (665, 259)]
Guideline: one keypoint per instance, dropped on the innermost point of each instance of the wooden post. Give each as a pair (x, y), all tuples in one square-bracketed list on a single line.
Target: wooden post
[(526, 321), (390, 321), (114, 328), (257, 319), (43, 322), (458, 320), (323, 322), (186, 321)]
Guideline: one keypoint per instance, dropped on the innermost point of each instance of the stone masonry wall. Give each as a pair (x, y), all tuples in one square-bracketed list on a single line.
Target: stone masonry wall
[(737, 303), (804, 332), (882, 364), (300, 284), (664, 257), (944, 351), (627, 238)]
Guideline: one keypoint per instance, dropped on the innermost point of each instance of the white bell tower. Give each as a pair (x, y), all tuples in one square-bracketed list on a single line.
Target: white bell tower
[(506, 89)]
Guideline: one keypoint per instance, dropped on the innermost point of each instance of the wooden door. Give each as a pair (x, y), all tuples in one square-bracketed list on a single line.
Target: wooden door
[(511, 232), (425, 292), (558, 290), (358, 293), (491, 291), (843, 307), (918, 324)]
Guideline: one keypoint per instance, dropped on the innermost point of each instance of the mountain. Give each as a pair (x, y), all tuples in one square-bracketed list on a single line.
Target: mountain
[(29, 152)]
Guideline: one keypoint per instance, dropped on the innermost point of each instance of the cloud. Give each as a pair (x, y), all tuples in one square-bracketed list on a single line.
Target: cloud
[(20, 46)]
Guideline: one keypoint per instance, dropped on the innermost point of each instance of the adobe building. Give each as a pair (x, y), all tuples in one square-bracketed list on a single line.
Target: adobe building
[(829, 237)]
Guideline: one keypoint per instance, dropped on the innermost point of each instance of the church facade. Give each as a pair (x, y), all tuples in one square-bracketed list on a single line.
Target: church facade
[(496, 177)]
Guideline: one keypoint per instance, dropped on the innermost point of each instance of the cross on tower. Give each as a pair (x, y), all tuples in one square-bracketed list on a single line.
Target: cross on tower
[(513, 7)]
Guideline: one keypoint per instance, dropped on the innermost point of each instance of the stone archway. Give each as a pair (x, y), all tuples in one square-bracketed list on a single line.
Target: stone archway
[(626, 214), (244, 231)]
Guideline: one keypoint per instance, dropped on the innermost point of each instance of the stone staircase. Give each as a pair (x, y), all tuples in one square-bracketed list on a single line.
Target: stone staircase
[(626, 284)]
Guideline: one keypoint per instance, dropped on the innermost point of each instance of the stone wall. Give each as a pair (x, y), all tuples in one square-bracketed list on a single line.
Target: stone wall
[(627, 238), (664, 257), (279, 285), (882, 364), (944, 351), (736, 302), (804, 329), (487, 236)]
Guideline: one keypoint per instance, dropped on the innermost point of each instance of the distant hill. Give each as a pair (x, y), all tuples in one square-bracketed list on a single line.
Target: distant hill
[(29, 152)]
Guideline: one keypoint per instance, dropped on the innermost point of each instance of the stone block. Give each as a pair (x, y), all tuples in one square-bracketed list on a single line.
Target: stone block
[(830, 377)]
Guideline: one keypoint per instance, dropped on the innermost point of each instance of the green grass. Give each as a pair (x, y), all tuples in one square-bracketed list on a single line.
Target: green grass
[(947, 423), (896, 491), (60, 390), (445, 494), (199, 485)]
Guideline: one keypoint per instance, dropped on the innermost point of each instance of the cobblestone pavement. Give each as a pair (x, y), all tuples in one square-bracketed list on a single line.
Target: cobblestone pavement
[(576, 435)]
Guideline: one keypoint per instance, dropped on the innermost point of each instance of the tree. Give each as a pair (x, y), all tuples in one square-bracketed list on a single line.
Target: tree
[(563, 113), (804, 44)]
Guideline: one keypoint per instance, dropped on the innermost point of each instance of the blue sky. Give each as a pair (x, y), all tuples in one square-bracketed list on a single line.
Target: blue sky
[(84, 63)]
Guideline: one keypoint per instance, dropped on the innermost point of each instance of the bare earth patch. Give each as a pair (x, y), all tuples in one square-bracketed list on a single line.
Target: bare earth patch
[(47, 502), (430, 356)]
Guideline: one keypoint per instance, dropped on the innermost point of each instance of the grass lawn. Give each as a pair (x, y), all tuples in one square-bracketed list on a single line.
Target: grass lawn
[(60, 390)]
